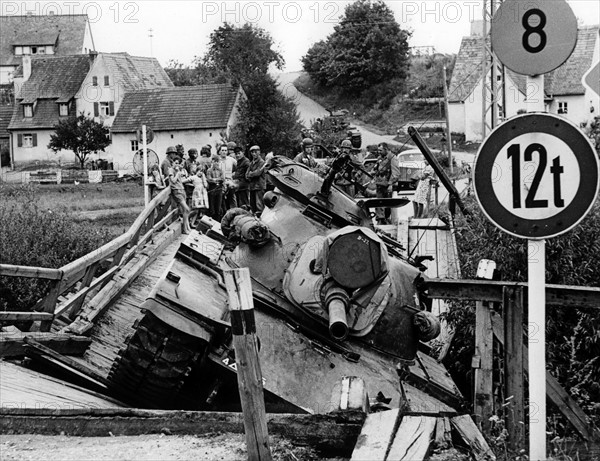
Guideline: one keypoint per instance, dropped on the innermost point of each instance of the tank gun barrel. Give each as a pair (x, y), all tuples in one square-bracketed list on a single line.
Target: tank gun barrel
[(337, 302)]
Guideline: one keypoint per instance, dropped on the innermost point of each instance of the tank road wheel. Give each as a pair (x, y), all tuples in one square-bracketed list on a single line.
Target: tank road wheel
[(152, 367)]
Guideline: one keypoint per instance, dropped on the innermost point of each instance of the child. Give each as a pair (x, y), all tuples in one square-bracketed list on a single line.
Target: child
[(200, 194), (156, 181)]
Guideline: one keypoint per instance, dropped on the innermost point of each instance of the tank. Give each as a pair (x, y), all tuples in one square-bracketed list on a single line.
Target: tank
[(332, 298)]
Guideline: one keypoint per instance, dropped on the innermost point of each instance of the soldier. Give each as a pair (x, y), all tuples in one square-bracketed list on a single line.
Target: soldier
[(167, 163), (382, 180), (239, 176), (305, 157), (256, 180)]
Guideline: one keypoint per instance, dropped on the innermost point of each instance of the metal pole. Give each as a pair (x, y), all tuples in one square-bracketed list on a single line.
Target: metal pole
[(536, 267), (448, 135), (145, 155)]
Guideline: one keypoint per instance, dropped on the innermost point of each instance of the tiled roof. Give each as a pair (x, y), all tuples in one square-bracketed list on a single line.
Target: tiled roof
[(52, 79), (566, 80), (5, 116), (55, 77), (563, 81), (178, 108), (136, 73), (67, 32)]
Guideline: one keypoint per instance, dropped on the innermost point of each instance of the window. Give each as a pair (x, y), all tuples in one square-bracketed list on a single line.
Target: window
[(563, 108), (106, 80), (34, 50), (63, 109), (135, 145), (104, 109), (27, 140), (41, 50), (27, 110), (94, 81)]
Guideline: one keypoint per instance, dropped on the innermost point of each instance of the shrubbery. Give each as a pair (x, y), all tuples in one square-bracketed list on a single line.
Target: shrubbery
[(32, 236), (572, 335)]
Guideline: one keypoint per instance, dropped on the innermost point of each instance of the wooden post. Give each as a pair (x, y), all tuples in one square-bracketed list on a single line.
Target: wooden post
[(512, 312), (482, 362), (241, 305)]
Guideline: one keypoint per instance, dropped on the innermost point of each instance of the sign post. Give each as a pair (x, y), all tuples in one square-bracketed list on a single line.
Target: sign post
[(546, 171), (145, 155)]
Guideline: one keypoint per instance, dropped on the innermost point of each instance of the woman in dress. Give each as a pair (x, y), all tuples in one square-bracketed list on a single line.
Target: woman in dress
[(422, 193)]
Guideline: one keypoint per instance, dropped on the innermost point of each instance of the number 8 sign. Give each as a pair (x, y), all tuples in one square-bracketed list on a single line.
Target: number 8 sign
[(534, 37), (536, 176)]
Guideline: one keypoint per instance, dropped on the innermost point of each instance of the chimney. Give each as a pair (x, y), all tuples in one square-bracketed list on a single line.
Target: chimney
[(93, 54), (26, 67)]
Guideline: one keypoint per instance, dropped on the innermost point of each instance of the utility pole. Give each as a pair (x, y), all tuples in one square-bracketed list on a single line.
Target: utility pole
[(492, 88), (150, 34), (446, 108)]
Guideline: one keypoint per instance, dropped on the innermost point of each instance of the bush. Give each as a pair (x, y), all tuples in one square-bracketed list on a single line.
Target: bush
[(32, 236), (572, 335)]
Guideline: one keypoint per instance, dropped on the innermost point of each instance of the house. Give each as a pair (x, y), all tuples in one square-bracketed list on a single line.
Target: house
[(50, 88), (563, 93), (191, 115), (33, 35), (5, 116)]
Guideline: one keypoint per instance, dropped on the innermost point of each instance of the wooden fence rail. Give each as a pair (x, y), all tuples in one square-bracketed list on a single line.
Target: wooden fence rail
[(77, 279)]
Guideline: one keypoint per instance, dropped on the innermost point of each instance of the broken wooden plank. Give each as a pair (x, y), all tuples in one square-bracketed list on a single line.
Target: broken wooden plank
[(443, 433), (484, 338), (421, 403), (38, 350), (12, 344), (25, 316), (413, 439), (473, 437), (376, 435), (559, 397)]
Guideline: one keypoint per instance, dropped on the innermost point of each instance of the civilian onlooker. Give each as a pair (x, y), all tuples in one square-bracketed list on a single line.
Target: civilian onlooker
[(228, 166), (192, 163), (256, 180), (215, 179), (177, 177), (200, 203), (204, 160), (423, 191), (156, 182), (239, 176), (266, 167)]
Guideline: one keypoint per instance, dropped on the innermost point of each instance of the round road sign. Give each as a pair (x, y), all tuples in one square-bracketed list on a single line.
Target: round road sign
[(536, 176), (149, 135), (534, 37)]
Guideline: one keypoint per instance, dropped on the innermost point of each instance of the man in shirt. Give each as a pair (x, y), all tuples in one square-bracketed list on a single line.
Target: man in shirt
[(228, 164), (256, 180), (239, 176)]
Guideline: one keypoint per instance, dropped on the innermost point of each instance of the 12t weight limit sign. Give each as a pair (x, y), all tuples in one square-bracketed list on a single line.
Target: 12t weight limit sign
[(536, 176)]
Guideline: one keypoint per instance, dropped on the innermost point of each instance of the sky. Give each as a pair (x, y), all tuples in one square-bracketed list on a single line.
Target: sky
[(180, 29)]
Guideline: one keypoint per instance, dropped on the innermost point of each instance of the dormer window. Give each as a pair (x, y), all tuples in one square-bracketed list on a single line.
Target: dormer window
[(28, 110), (106, 80), (63, 109), (94, 81)]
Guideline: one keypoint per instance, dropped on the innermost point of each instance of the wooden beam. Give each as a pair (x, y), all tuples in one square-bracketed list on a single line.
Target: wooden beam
[(513, 366), (413, 438), (483, 394), (376, 435), (485, 290), (332, 435), (249, 375), (30, 272), (12, 344), (556, 393), (468, 431), (25, 316)]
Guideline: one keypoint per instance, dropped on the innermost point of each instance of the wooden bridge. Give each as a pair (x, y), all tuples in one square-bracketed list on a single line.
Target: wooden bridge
[(92, 303)]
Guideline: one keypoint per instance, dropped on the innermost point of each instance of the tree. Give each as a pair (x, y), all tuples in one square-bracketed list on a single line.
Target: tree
[(242, 51), (426, 75), (80, 134), (367, 48), (197, 74)]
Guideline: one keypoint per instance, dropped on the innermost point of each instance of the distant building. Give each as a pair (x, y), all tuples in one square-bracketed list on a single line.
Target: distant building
[(563, 93), (190, 115), (5, 116), (31, 35), (51, 88)]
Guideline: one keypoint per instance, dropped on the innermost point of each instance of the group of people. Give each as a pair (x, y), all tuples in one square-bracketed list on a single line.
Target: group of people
[(210, 183)]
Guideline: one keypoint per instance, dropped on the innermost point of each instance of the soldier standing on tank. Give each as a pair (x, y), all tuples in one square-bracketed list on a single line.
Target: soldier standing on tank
[(239, 176), (382, 180)]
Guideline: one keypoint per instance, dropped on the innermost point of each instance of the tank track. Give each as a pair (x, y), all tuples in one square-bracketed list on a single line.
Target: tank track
[(152, 367)]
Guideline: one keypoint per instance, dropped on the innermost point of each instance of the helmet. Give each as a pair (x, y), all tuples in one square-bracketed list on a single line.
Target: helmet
[(254, 148), (231, 145), (307, 142), (171, 150), (346, 143)]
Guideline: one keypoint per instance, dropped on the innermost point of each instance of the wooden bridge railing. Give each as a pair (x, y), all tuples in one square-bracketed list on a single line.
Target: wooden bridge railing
[(79, 278)]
